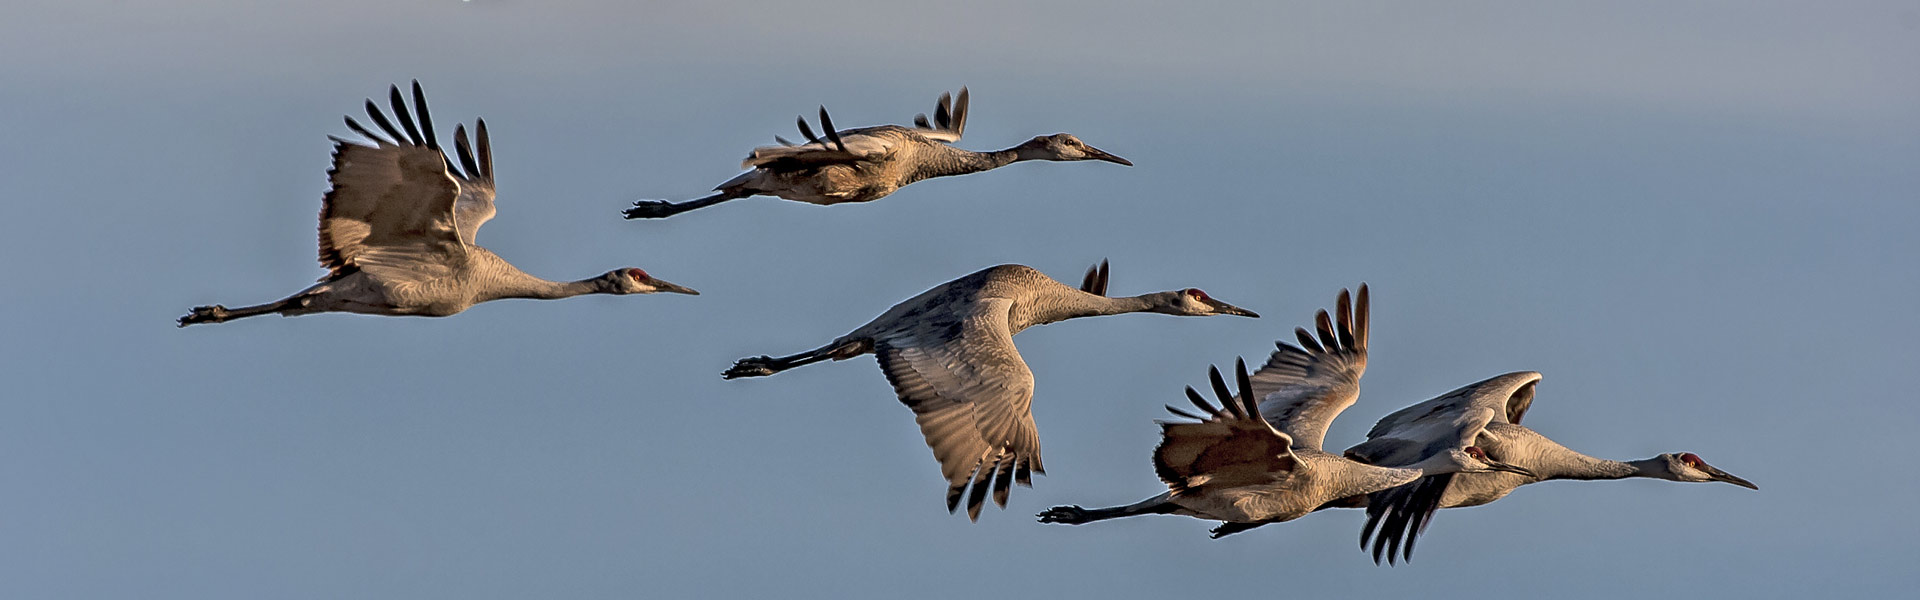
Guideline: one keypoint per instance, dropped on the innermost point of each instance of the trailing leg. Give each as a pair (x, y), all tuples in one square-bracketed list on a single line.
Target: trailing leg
[(659, 209), (221, 314), (762, 366), (1075, 515)]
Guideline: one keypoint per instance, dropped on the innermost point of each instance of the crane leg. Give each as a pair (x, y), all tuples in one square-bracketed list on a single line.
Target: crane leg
[(1075, 515), (659, 209), (761, 366), (221, 314)]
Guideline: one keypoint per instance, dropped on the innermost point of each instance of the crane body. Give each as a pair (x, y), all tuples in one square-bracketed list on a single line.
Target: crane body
[(949, 355), (397, 230), (869, 163)]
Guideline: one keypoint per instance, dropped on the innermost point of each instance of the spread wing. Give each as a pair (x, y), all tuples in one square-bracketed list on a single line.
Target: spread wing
[(972, 396), (1507, 396), (1399, 515), (400, 198), (1230, 446), (1302, 388), (475, 205)]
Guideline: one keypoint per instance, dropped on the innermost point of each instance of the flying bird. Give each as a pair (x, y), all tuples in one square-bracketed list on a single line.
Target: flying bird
[(1397, 516), (397, 229), (1257, 459), (949, 355), (868, 163)]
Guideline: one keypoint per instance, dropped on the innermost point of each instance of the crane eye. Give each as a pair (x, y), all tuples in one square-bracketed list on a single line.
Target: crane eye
[(1692, 460), (1196, 293)]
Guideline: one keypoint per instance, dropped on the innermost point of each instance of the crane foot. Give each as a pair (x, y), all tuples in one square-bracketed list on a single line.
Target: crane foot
[(1070, 515), (751, 367), (653, 209), (204, 314)]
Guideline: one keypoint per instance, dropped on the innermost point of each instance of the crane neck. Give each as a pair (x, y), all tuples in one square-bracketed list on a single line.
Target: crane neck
[(1583, 467), (522, 285), (1073, 304), (944, 160), (1093, 306)]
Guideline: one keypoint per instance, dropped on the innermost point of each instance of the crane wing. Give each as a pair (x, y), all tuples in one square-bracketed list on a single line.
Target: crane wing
[(1507, 396), (400, 196), (972, 396), (475, 205), (949, 119), (1457, 418), (1302, 388), (1230, 446), (870, 144), (867, 144)]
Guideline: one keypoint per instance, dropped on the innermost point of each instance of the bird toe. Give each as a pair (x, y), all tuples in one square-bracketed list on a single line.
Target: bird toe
[(1070, 515), (649, 209)]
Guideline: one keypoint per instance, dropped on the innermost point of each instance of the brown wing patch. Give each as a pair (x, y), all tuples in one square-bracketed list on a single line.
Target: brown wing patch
[(402, 191)]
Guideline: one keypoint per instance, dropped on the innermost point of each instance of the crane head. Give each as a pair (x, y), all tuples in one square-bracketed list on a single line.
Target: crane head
[(636, 281), (1687, 466), (1065, 147), (1192, 302)]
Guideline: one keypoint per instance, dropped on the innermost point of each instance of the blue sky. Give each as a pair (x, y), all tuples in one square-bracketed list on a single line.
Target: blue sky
[(1697, 221)]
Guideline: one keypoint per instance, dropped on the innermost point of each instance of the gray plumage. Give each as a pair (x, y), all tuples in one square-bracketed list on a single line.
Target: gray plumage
[(1259, 459), (1398, 516), (949, 355), (868, 163), (397, 230)]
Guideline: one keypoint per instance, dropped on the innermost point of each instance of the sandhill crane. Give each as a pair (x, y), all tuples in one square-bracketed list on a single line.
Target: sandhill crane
[(397, 228), (864, 164), (949, 355), (1399, 515), (1259, 460)]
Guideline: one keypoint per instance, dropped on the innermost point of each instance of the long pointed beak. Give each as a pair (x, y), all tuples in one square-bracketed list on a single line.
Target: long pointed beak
[(1229, 309), (662, 285), (1510, 468), (1719, 475), (1098, 154)]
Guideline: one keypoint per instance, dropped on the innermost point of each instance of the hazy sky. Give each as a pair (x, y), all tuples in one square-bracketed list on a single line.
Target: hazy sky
[(1698, 221)]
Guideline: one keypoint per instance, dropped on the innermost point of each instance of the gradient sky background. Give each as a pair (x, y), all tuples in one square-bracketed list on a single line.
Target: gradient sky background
[(1697, 220)]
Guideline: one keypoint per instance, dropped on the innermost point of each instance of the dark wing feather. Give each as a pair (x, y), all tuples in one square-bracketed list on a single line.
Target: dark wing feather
[(373, 112), (1096, 280), (400, 111), (1399, 515), (807, 131), (826, 122), (426, 120), (465, 150), (959, 125)]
